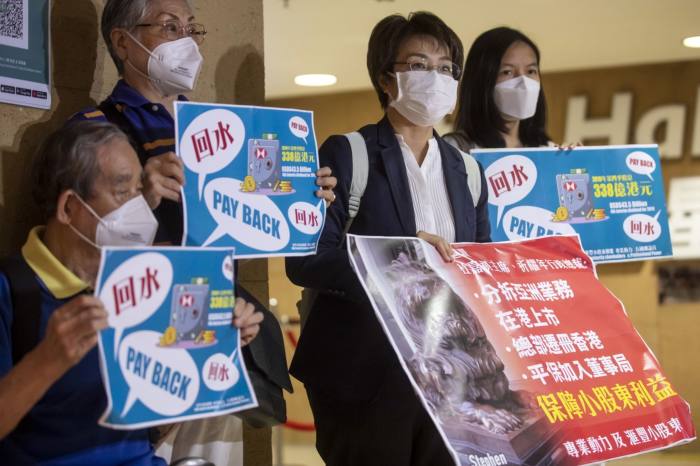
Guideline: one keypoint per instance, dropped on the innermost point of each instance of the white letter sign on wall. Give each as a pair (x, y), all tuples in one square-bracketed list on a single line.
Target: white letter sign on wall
[(674, 118), (615, 128), (695, 148)]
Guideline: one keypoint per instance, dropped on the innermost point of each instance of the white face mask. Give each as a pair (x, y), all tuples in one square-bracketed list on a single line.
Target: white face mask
[(424, 97), (132, 224), (173, 67), (517, 97)]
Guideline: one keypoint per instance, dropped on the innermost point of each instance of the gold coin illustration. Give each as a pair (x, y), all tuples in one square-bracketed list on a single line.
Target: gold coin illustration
[(248, 184), (169, 336), (561, 214)]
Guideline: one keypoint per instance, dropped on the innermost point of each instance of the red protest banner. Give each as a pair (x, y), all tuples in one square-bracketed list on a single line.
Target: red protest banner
[(519, 352)]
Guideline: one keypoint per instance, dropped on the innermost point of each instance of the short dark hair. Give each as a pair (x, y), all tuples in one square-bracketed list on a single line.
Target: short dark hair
[(388, 35), (478, 118), (67, 159)]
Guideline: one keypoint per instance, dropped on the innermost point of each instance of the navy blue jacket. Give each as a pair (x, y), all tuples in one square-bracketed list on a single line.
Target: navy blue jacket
[(342, 349)]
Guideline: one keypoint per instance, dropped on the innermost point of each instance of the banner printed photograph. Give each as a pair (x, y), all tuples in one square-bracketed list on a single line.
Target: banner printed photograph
[(518, 353)]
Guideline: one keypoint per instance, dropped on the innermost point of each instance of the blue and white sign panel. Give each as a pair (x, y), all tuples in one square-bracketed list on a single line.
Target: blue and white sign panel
[(170, 352), (612, 196), (250, 177)]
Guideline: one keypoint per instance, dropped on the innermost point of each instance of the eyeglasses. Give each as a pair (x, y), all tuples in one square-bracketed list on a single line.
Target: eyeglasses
[(173, 30), (421, 64)]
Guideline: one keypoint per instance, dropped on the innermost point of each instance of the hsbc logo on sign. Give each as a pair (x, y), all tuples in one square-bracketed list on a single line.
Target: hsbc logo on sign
[(570, 186), (186, 300)]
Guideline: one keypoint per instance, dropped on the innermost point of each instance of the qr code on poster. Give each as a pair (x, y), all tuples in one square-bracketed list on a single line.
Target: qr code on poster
[(14, 23)]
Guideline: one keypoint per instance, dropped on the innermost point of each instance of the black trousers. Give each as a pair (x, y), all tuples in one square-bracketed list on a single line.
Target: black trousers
[(392, 429)]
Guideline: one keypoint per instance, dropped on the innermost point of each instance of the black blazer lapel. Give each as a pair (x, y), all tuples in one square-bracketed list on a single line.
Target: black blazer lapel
[(456, 182), (392, 159)]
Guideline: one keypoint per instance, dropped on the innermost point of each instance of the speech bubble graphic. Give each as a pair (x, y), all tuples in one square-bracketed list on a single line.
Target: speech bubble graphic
[(299, 128), (219, 372), (251, 219), (509, 180), (305, 217), (166, 380), (641, 163), (642, 228), (525, 222), (210, 142), (135, 290)]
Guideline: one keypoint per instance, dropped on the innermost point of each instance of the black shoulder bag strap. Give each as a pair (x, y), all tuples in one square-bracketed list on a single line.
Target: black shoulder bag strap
[(26, 304)]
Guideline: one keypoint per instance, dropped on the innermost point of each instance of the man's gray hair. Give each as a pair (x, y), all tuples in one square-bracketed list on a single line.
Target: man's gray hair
[(67, 159), (124, 14)]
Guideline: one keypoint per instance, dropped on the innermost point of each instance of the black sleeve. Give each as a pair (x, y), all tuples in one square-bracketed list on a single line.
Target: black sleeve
[(483, 228), (329, 269)]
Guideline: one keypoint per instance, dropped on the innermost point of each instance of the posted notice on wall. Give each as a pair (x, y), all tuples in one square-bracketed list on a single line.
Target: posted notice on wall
[(25, 44), (250, 179), (519, 353), (612, 196), (170, 352)]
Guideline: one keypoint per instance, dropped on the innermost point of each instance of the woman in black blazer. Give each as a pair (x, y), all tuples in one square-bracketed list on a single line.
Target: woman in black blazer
[(365, 410)]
